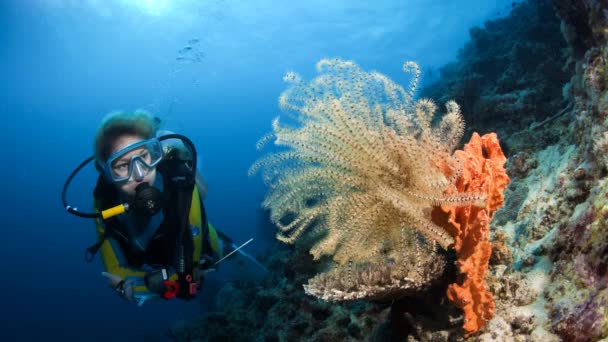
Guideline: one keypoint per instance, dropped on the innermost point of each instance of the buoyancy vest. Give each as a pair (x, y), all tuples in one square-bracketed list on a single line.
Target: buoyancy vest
[(200, 239)]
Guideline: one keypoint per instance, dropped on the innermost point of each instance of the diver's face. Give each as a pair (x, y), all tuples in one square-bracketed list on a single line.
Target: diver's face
[(121, 165)]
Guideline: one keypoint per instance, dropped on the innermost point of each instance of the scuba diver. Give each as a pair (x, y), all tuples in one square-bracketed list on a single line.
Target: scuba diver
[(153, 234)]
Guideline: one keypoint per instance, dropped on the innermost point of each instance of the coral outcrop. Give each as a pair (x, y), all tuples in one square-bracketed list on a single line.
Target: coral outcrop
[(546, 96), (379, 280), (578, 293), (553, 221), (278, 309), (366, 169), (510, 74)]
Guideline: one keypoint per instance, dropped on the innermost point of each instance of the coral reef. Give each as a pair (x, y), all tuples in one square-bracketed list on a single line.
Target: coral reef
[(510, 74), (539, 78), (278, 309), (578, 291), (552, 226), (365, 170)]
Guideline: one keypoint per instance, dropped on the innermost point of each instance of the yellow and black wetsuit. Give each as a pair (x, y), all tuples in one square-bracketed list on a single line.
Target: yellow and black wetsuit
[(133, 264)]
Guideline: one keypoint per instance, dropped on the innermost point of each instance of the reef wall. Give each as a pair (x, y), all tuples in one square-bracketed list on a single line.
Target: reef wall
[(538, 77)]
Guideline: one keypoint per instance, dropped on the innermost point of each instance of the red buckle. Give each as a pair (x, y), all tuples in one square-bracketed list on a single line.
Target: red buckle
[(172, 289), (193, 288)]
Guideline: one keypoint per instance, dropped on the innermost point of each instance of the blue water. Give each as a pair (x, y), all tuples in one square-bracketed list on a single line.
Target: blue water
[(212, 70)]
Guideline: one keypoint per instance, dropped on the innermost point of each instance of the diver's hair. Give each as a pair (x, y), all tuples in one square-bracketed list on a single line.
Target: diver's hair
[(117, 123)]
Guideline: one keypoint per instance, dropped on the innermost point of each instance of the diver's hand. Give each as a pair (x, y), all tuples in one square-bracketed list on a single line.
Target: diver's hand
[(124, 289)]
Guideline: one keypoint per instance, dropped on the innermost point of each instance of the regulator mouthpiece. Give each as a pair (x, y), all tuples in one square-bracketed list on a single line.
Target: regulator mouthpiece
[(147, 201)]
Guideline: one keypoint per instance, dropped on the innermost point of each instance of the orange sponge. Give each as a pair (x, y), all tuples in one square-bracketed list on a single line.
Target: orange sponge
[(483, 171)]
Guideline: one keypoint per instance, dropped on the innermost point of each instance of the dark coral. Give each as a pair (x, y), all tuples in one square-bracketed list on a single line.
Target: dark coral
[(278, 309), (501, 253), (579, 294), (510, 74)]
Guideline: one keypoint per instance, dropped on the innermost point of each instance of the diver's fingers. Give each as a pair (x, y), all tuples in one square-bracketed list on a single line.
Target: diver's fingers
[(114, 279), (128, 291)]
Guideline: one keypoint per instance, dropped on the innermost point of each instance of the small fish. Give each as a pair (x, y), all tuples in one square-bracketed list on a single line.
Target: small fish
[(193, 41)]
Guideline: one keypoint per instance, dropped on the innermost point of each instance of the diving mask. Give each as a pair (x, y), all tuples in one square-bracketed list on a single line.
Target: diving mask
[(135, 160)]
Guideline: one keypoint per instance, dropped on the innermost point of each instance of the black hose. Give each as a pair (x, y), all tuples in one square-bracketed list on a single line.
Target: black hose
[(64, 200), (188, 142)]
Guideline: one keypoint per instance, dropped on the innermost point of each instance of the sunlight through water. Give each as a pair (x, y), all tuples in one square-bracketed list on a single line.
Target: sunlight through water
[(151, 7)]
